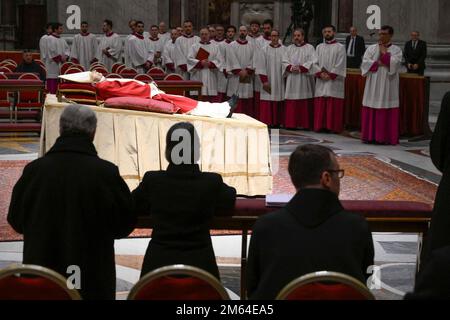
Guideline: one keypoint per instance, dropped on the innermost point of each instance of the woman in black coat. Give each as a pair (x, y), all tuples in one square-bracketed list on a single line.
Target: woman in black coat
[(182, 202), (440, 155)]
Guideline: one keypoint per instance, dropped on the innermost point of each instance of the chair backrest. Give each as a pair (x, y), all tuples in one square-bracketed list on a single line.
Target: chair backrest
[(325, 286), (3, 94), (28, 282), (173, 77), (73, 70), (113, 76), (78, 66), (10, 61), (27, 95), (66, 66), (143, 78), (120, 68), (128, 71), (100, 69), (95, 64), (156, 71), (40, 62), (116, 66), (6, 69), (178, 282)]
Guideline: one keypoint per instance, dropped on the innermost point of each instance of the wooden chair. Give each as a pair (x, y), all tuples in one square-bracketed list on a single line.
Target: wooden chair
[(28, 99), (78, 66), (156, 71), (325, 286), (6, 69), (100, 69), (66, 66), (129, 72), (29, 282), (178, 282)]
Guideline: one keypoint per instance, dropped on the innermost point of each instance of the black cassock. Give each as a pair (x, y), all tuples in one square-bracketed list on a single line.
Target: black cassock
[(70, 206)]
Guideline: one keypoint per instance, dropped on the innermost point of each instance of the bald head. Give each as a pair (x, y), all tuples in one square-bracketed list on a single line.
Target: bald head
[(243, 32), (204, 34)]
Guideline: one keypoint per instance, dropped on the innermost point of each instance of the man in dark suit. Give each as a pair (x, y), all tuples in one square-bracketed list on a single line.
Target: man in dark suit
[(70, 205), (312, 233), (415, 54), (356, 47)]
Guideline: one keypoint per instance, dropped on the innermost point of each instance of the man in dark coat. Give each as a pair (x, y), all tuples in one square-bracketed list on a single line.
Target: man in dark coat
[(356, 47), (312, 233), (415, 54), (70, 205), (439, 235), (182, 202), (28, 65)]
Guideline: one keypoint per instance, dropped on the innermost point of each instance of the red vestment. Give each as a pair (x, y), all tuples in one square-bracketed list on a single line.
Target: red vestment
[(113, 89)]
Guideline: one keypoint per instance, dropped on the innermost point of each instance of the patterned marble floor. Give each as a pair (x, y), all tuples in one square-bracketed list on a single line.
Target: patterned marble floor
[(395, 253)]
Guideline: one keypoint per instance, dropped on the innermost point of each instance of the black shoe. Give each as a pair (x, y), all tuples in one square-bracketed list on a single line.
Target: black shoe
[(233, 102)]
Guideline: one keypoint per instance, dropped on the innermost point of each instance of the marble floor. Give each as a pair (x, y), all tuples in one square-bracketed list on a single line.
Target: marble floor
[(395, 253)]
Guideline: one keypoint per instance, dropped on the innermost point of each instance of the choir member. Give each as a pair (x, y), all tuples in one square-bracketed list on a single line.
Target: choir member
[(58, 53), (297, 64), (268, 62), (221, 76), (204, 62), (84, 47), (168, 55), (231, 33), (156, 45), (110, 48), (212, 32), (43, 41), (163, 34), (139, 55), (182, 47), (126, 49), (330, 72), (241, 69), (381, 114), (254, 34)]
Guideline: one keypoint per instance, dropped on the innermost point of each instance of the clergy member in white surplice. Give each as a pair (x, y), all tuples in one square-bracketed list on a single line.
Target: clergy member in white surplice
[(58, 53), (43, 42), (204, 63), (182, 47), (240, 68), (126, 55), (138, 54), (269, 68), (330, 72), (168, 54), (300, 85), (84, 47), (163, 34), (222, 43), (156, 46), (381, 104), (110, 47)]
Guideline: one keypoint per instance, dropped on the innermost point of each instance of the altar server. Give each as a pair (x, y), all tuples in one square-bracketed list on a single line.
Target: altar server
[(168, 55), (297, 64), (84, 47), (330, 72), (58, 53), (182, 47), (110, 48), (139, 55), (268, 63), (380, 114)]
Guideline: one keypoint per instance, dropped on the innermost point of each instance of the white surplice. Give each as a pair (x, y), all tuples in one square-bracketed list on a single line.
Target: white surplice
[(383, 86), (206, 75), (182, 47), (240, 57), (269, 62), (300, 86), (84, 49), (333, 58), (114, 44), (222, 79), (43, 47), (138, 53), (56, 47)]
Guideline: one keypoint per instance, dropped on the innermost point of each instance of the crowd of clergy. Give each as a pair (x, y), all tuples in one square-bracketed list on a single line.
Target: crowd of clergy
[(297, 86)]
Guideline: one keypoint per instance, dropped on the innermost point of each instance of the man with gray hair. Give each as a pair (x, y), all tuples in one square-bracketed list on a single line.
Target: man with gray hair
[(70, 205)]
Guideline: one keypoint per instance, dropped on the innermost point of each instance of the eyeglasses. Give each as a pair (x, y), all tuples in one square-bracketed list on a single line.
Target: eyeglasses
[(340, 173)]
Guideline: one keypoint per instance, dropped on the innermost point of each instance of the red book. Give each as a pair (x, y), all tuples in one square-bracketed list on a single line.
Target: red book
[(202, 54)]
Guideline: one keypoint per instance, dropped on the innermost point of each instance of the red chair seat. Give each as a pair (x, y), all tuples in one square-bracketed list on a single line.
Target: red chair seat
[(20, 127), (29, 105), (30, 289)]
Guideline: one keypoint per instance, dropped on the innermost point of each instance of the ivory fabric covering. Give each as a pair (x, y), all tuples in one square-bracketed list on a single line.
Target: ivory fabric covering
[(238, 148)]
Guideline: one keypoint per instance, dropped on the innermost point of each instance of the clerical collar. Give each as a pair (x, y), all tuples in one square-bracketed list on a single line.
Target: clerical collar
[(139, 36), (84, 34), (331, 42), (254, 36), (219, 40), (154, 39), (267, 38), (204, 42), (301, 44), (277, 46), (188, 36), (241, 41), (228, 41), (110, 34), (56, 35)]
